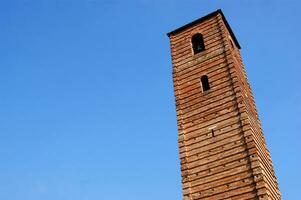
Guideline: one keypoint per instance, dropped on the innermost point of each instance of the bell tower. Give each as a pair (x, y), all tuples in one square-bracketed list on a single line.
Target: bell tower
[(222, 148)]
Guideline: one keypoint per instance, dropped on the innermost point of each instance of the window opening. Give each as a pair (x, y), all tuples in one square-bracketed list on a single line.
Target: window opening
[(205, 83), (197, 43)]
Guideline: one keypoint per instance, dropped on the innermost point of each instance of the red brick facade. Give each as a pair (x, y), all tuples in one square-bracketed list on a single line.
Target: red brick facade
[(223, 152)]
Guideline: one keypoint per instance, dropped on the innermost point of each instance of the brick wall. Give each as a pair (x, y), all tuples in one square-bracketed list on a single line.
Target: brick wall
[(222, 148)]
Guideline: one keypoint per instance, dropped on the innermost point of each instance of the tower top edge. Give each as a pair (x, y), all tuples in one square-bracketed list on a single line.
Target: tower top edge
[(219, 11)]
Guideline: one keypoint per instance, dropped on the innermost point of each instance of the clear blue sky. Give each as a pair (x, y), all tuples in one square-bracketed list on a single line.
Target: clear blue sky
[(86, 96)]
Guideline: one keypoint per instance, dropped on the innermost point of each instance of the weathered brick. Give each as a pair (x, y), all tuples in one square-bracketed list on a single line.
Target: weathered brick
[(222, 149)]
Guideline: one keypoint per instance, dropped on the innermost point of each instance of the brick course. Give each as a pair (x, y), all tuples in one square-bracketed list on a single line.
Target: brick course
[(233, 161)]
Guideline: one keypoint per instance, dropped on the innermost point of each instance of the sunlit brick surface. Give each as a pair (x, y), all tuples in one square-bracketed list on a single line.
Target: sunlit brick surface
[(222, 148)]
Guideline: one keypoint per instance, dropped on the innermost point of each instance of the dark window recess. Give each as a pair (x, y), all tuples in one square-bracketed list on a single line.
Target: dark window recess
[(197, 43), (205, 83)]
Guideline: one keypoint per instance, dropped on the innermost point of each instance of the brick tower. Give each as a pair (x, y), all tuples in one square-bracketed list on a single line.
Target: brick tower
[(223, 152)]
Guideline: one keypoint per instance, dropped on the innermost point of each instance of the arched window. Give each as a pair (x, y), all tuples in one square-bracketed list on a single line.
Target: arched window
[(197, 43), (205, 83)]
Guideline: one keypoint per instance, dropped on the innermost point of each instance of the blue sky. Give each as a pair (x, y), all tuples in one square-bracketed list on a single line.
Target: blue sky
[(87, 106)]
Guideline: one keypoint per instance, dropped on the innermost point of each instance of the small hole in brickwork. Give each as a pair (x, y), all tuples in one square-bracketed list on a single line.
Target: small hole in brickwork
[(212, 132)]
